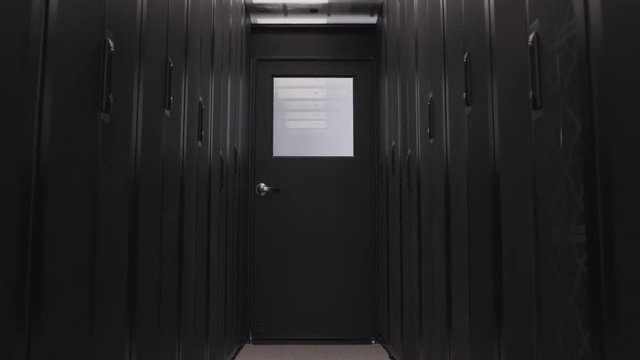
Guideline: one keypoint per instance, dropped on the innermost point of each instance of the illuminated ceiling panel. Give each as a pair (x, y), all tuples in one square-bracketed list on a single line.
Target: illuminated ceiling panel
[(299, 12)]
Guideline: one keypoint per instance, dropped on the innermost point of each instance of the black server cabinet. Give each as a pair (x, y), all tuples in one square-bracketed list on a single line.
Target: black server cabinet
[(614, 50), (234, 153), (223, 164), (434, 201), (231, 150), (561, 137), (21, 23), (513, 129), (146, 250), (66, 220), (215, 345), (226, 249), (409, 199), (246, 193), (115, 182), (543, 127), (427, 58), (244, 188), (480, 184), (216, 184), (203, 176), (173, 128), (459, 100), (383, 184), (394, 340), (113, 248), (192, 137)]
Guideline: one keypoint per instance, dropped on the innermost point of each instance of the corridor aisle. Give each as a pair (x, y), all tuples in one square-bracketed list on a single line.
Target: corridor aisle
[(312, 352)]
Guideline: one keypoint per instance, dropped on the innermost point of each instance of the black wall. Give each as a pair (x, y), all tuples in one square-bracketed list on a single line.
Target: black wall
[(309, 42), (506, 150), (125, 159)]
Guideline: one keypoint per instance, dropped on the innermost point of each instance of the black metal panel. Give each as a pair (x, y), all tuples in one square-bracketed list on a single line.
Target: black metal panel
[(434, 141), (313, 42), (561, 129), (203, 175), (482, 232), (146, 253), (22, 26), (409, 170), (110, 319), (244, 189), (394, 341), (382, 190), (229, 252), (511, 106), (458, 57), (173, 124), (67, 188), (218, 138), (194, 107), (615, 87), (244, 174), (232, 154), (223, 163)]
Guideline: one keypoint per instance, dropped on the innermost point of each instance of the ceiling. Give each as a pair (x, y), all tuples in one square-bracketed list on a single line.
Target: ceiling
[(319, 12)]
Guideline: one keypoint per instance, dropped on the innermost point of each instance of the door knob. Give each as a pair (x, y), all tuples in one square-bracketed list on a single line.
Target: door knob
[(262, 189)]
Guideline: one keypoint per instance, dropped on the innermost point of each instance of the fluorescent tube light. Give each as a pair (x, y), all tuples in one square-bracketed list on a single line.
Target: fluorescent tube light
[(290, 20), (291, 2)]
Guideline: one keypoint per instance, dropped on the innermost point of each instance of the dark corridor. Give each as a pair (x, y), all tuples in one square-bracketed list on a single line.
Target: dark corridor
[(445, 179)]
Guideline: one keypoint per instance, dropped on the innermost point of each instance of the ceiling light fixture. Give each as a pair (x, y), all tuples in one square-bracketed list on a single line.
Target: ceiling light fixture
[(291, 2), (290, 20)]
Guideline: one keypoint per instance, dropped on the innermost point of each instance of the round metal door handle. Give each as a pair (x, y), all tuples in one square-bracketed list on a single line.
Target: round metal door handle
[(262, 189)]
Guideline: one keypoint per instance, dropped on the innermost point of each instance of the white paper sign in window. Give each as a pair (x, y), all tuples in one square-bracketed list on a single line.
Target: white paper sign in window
[(313, 117)]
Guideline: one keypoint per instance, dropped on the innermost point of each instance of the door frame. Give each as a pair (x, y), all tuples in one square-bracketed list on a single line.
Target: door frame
[(373, 97)]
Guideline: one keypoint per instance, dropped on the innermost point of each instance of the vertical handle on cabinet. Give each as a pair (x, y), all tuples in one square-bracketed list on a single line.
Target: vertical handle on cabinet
[(409, 169), (200, 120), (168, 92), (106, 96), (430, 130), (392, 155), (221, 173), (467, 80), (236, 159), (535, 71)]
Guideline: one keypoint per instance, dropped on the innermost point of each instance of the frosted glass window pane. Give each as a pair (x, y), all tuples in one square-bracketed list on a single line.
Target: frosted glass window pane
[(313, 117)]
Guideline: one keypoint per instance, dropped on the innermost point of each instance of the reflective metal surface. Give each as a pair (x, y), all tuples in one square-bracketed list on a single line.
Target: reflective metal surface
[(262, 189)]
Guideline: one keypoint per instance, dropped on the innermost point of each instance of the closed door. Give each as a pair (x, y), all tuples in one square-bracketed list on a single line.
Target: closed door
[(313, 250)]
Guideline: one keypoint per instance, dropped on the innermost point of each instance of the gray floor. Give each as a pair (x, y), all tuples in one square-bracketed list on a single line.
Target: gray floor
[(312, 352)]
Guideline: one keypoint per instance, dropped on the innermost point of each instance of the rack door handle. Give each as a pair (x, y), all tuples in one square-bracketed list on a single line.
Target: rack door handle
[(200, 120), (392, 155), (535, 71), (106, 96), (236, 159), (168, 93), (430, 130), (467, 95), (409, 172), (222, 170)]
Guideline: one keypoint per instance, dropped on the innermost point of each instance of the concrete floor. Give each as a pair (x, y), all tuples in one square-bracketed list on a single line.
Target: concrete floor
[(312, 352)]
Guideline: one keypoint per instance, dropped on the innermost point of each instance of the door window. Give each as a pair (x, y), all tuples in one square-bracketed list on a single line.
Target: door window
[(313, 117)]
